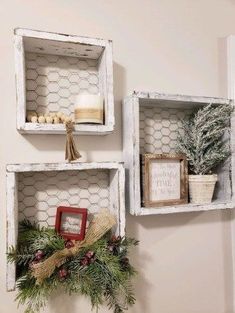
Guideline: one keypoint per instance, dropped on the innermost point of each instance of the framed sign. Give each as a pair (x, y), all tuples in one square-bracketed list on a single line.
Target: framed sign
[(71, 222), (165, 179)]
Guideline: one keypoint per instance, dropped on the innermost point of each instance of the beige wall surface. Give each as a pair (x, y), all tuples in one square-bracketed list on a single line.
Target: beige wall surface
[(184, 260)]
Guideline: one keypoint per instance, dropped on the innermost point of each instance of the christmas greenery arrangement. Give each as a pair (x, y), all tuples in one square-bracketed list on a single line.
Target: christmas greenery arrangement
[(202, 138), (100, 271)]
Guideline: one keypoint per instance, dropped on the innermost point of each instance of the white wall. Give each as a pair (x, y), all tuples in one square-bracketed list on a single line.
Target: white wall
[(184, 260)]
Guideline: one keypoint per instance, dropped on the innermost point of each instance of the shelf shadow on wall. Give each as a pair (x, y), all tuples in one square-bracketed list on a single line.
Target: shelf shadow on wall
[(162, 229)]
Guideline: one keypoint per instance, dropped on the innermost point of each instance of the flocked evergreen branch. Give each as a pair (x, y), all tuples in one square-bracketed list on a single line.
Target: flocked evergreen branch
[(39, 238), (202, 138), (33, 295), (22, 255)]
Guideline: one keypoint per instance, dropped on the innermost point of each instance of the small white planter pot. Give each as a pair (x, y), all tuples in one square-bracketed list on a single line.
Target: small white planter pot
[(201, 188)]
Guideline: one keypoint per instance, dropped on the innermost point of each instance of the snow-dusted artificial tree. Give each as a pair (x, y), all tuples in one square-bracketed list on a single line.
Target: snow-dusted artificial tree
[(202, 139)]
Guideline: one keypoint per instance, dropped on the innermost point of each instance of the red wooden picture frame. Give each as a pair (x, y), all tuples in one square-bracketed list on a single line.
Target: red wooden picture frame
[(76, 211)]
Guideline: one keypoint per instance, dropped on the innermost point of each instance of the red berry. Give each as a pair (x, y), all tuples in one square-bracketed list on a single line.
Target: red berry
[(39, 255), (116, 239), (69, 244), (63, 273), (90, 254), (110, 248), (113, 238), (85, 261)]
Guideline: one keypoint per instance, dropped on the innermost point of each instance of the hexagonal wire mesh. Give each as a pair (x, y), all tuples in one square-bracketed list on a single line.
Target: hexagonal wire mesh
[(40, 193), (159, 128), (52, 81)]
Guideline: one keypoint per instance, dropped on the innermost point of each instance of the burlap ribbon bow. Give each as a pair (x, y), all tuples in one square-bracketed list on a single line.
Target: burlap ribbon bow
[(100, 224)]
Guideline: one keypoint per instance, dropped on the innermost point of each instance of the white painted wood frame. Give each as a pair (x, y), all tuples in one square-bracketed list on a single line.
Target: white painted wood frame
[(116, 197), (131, 142), (54, 44)]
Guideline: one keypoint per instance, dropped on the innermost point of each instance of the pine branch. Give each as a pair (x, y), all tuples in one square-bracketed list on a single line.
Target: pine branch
[(106, 278), (39, 238), (26, 225), (21, 256)]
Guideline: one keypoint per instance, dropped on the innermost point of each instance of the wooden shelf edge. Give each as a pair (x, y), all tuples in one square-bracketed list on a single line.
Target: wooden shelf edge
[(35, 167), (59, 129), (186, 208), (179, 97)]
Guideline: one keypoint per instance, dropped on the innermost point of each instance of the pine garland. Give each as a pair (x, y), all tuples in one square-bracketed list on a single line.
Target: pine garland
[(101, 272), (202, 139)]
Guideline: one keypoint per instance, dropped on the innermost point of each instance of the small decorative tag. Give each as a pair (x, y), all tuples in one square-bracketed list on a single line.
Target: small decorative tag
[(71, 152)]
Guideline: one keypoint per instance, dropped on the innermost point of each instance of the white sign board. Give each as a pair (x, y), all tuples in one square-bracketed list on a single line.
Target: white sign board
[(71, 223), (164, 180)]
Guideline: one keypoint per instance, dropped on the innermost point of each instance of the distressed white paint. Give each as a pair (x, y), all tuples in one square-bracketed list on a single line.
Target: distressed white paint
[(116, 190), (20, 81), (60, 37), (181, 100), (54, 47), (12, 220), (186, 208), (39, 167), (83, 129), (108, 83), (131, 141), (64, 45), (131, 150), (117, 193)]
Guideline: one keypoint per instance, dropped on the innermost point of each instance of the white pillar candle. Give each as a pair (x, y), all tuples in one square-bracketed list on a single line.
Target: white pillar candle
[(88, 109)]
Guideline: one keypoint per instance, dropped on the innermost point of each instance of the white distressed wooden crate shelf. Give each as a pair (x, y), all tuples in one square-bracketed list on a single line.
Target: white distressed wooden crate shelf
[(51, 69), (151, 123), (34, 191)]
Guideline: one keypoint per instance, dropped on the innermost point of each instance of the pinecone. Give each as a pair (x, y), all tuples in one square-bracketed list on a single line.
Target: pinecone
[(125, 262)]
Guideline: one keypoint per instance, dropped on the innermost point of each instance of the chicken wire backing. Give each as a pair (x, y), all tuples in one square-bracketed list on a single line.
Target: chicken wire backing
[(159, 128), (40, 193), (52, 81)]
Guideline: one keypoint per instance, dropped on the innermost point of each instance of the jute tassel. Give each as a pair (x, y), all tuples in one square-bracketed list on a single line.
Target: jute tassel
[(100, 224), (71, 153)]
